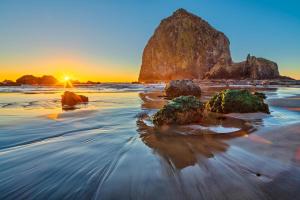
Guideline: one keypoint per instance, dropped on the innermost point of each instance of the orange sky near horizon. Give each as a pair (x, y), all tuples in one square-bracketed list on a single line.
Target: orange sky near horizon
[(75, 68)]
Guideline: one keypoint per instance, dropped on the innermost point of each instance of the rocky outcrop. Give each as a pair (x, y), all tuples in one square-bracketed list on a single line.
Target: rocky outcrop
[(28, 80), (47, 80), (8, 83), (33, 80), (71, 99), (181, 110), (178, 88), (252, 68), (184, 46), (237, 101)]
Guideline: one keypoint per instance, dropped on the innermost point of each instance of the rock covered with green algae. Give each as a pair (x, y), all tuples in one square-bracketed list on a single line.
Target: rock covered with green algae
[(181, 110), (237, 101)]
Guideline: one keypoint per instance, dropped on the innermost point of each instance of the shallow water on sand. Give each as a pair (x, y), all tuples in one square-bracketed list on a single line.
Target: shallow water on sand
[(109, 149)]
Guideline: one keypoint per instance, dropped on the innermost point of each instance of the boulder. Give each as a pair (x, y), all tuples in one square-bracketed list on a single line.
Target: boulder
[(181, 110), (237, 101), (178, 88), (71, 99)]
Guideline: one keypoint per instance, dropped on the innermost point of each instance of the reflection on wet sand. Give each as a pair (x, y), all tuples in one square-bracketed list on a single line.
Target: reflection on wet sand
[(213, 167), (181, 151), (183, 146)]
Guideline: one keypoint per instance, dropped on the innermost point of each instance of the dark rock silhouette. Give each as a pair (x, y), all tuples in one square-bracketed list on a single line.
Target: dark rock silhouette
[(71, 99), (33, 80), (47, 80), (9, 83), (184, 46), (178, 88), (28, 80)]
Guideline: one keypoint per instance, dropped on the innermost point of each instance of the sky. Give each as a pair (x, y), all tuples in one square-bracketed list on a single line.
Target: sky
[(104, 40)]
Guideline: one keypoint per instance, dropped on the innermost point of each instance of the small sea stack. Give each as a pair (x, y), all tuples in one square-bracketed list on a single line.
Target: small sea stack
[(71, 99)]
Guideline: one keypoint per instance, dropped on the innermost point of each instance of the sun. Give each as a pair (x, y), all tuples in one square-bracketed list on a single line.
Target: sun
[(66, 78)]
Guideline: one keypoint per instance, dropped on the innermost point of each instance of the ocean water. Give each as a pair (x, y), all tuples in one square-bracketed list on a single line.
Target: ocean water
[(109, 149)]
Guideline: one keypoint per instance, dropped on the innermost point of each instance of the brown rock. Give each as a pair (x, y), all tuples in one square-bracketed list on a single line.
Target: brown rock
[(33, 80), (184, 46), (178, 88), (253, 68), (9, 83), (28, 80), (71, 99), (47, 80)]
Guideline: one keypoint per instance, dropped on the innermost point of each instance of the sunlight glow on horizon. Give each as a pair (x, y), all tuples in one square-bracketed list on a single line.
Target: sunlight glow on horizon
[(73, 67)]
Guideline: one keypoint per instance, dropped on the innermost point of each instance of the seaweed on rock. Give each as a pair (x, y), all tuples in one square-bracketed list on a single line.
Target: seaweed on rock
[(181, 110), (238, 101)]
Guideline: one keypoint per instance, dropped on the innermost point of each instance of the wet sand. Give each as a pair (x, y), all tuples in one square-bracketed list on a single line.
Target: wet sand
[(109, 149)]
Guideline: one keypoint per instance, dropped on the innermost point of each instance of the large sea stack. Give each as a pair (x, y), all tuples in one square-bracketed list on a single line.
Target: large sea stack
[(184, 46)]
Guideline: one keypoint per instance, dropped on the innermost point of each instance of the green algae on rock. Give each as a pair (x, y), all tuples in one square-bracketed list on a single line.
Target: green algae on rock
[(181, 110), (237, 101)]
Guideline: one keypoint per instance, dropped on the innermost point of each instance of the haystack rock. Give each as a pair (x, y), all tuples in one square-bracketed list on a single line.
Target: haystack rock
[(184, 46)]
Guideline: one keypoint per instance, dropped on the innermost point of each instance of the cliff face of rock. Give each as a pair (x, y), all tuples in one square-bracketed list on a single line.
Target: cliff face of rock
[(184, 46), (252, 68)]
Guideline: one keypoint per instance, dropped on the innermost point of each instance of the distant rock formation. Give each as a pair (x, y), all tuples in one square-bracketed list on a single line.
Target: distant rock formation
[(8, 83), (47, 80), (253, 68), (27, 80), (33, 80), (184, 46)]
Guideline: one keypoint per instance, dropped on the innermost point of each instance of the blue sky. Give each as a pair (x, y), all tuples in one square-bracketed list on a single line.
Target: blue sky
[(89, 37)]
